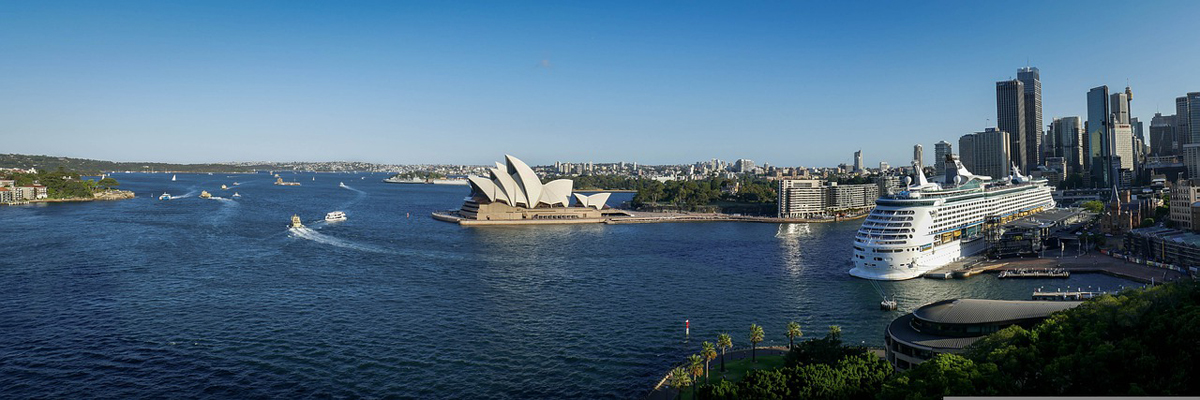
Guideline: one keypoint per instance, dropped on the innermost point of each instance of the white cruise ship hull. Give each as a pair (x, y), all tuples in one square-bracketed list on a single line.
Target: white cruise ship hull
[(903, 266)]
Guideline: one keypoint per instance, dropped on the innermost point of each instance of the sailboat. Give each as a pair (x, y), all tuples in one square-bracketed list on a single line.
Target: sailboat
[(172, 178)]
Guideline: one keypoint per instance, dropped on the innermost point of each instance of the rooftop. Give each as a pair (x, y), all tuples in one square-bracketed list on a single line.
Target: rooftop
[(978, 311)]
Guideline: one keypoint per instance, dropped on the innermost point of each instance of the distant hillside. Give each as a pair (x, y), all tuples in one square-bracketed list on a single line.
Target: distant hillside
[(87, 166)]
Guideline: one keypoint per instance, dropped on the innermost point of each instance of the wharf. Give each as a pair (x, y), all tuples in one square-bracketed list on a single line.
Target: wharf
[(1035, 273), (1066, 296), (1087, 263)]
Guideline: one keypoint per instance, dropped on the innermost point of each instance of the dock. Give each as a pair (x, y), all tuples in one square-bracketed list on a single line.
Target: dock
[(1087, 263), (1035, 273), (1066, 296)]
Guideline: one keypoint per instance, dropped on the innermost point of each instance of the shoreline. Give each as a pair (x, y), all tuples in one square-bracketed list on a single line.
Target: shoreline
[(101, 196), (632, 218)]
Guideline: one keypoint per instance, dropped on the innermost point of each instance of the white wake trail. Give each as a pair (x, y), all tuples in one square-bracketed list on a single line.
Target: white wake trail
[(307, 233), (359, 196)]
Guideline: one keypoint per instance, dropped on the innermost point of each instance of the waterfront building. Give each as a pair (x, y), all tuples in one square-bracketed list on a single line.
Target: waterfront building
[(1068, 142), (858, 161), (6, 195), (513, 193), (986, 153), (811, 198), (1031, 82), (1099, 143), (949, 326), (1184, 193), (1163, 141), (1177, 247), (918, 156), (940, 150), (1010, 117)]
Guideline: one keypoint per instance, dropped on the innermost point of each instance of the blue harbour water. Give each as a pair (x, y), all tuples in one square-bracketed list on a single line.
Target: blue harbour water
[(195, 298)]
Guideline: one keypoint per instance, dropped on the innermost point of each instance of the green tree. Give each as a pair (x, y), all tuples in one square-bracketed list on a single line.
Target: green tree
[(709, 353), (793, 331), (1093, 206), (679, 379), (835, 332), (943, 375), (108, 183), (756, 335), (695, 368), (724, 342), (1147, 222)]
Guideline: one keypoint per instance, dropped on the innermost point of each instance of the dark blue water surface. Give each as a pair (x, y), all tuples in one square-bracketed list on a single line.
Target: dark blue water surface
[(194, 298)]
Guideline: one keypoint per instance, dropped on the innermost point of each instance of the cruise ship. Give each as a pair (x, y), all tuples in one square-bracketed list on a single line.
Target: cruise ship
[(933, 224)]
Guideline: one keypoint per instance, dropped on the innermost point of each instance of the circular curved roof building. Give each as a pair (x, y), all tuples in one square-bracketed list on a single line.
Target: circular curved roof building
[(949, 326)]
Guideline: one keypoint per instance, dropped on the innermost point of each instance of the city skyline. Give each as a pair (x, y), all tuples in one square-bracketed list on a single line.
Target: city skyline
[(656, 84)]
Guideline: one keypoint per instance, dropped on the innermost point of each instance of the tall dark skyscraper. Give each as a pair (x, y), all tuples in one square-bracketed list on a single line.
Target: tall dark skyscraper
[(1162, 135), (1010, 117), (1031, 80), (1099, 143), (1181, 121), (1193, 107)]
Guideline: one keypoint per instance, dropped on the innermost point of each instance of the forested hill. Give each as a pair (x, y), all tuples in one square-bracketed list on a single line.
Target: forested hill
[(87, 166)]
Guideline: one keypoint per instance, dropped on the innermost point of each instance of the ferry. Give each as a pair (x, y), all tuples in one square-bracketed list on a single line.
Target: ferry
[(164, 196), (335, 216), (204, 194), (296, 222), (933, 224)]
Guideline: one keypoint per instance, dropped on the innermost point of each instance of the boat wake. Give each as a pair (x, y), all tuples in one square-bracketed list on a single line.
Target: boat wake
[(310, 234), (359, 196), (184, 196)]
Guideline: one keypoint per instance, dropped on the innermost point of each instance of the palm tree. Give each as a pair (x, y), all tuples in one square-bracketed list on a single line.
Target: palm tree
[(696, 368), (793, 331), (756, 335), (679, 379), (708, 352), (725, 343)]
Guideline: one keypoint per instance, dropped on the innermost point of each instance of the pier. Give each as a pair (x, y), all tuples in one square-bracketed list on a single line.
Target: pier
[(1035, 273), (1086, 263), (1066, 296)]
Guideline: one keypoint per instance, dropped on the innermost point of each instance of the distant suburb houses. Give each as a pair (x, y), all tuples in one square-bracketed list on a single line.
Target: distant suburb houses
[(11, 193)]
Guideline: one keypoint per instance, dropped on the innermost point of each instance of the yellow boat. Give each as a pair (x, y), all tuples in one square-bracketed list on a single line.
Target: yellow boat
[(296, 222), (204, 194)]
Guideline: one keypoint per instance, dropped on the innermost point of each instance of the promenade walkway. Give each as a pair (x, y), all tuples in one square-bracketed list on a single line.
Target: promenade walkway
[(662, 391), (1087, 263)]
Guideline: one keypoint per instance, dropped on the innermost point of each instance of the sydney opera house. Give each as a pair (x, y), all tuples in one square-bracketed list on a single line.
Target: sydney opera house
[(512, 193)]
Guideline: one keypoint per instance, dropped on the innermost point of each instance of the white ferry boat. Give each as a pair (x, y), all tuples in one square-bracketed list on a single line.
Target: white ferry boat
[(931, 224), (335, 216)]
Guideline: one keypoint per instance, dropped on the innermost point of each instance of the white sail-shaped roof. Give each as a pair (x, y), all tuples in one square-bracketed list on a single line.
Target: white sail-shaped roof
[(595, 201), (557, 192), (513, 193), (526, 179)]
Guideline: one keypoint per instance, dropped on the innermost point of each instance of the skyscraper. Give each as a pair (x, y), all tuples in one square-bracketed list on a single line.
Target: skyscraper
[(1182, 119), (1099, 144), (986, 153), (1031, 80), (1193, 107), (940, 150), (858, 161), (1010, 117), (1118, 106), (1162, 135), (919, 156), (1068, 138)]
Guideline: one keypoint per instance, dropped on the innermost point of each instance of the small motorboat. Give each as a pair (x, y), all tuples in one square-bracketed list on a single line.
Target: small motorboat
[(223, 187), (342, 184), (164, 196), (235, 194), (336, 216), (205, 195)]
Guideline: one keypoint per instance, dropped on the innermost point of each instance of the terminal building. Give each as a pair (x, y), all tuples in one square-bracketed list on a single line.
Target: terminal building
[(949, 326)]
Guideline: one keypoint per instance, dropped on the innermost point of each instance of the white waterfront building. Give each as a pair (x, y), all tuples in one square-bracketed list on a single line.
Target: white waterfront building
[(930, 225)]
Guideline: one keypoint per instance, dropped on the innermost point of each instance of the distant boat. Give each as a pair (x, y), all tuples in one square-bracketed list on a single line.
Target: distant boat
[(235, 194), (335, 216), (235, 184), (342, 184), (172, 178), (296, 222), (314, 179), (204, 194), (164, 196), (223, 187)]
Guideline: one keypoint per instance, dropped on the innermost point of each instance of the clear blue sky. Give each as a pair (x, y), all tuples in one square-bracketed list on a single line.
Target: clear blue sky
[(653, 82)]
